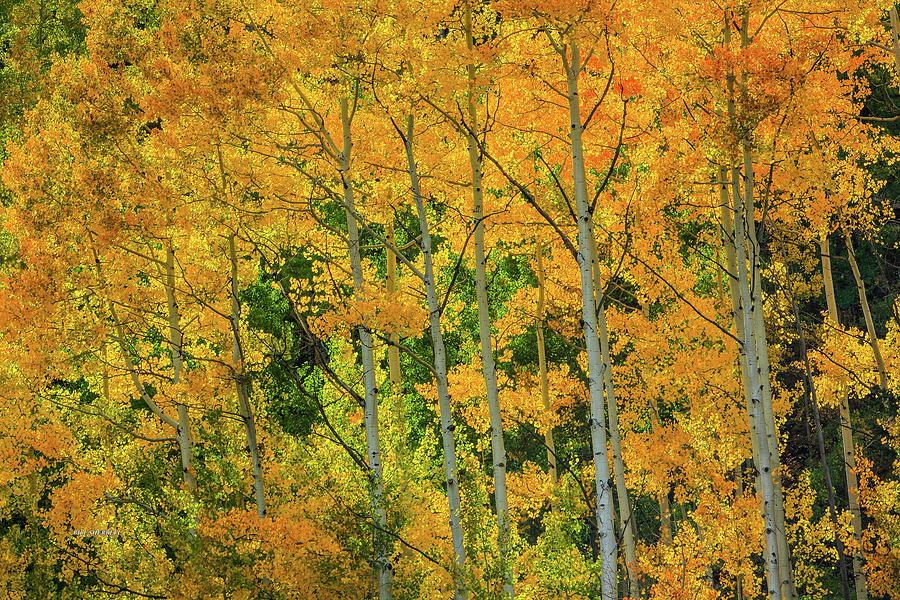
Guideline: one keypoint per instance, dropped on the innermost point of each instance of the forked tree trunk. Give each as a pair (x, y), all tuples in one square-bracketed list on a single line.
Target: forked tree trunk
[(727, 246), (859, 575), (726, 222), (785, 571), (182, 425), (383, 570), (754, 392), (498, 447), (440, 374), (241, 385), (755, 350), (605, 512), (175, 342)]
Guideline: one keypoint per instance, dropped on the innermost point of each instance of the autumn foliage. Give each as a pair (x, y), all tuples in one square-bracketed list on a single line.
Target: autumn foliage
[(474, 299)]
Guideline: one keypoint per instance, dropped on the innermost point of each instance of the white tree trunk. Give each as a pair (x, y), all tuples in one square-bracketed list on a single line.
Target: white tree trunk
[(182, 425), (605, 514), (859, 575), (727, 229), (176, 339), (626, 522), (489, 368), (754, 392), (440, 368), (383, 569), (785, 572), (755, 353), (240, 381)]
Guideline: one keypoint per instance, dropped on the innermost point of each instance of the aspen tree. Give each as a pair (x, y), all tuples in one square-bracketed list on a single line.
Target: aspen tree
[(182, 424), (785, 573), (849, 451), (754, 390), (176, 338), (383, 570), (626, 523), (758, 394), (440, 369), (241, 385), (867, 313), (572, 66), (726, 238), (726, 222), (542, 365), (498, 447), (393, 351), (784, 557)]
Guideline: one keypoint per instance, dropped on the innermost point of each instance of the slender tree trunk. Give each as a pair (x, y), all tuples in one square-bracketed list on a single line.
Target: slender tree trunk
[(751, 366), (727, 245), (864, 303), (498, 448), (720, 282), (597, 422), (241, 385), (626, 522), (184, 443), (175, 341), (859, 575), (440, 367), (383, 569), (756, 357), (542, 368), (182, 425), (785, 573), (823, 455), (391, 281), (726, 212)]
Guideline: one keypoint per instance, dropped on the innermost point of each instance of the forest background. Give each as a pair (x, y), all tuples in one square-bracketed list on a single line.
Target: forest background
[(430, 299)]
